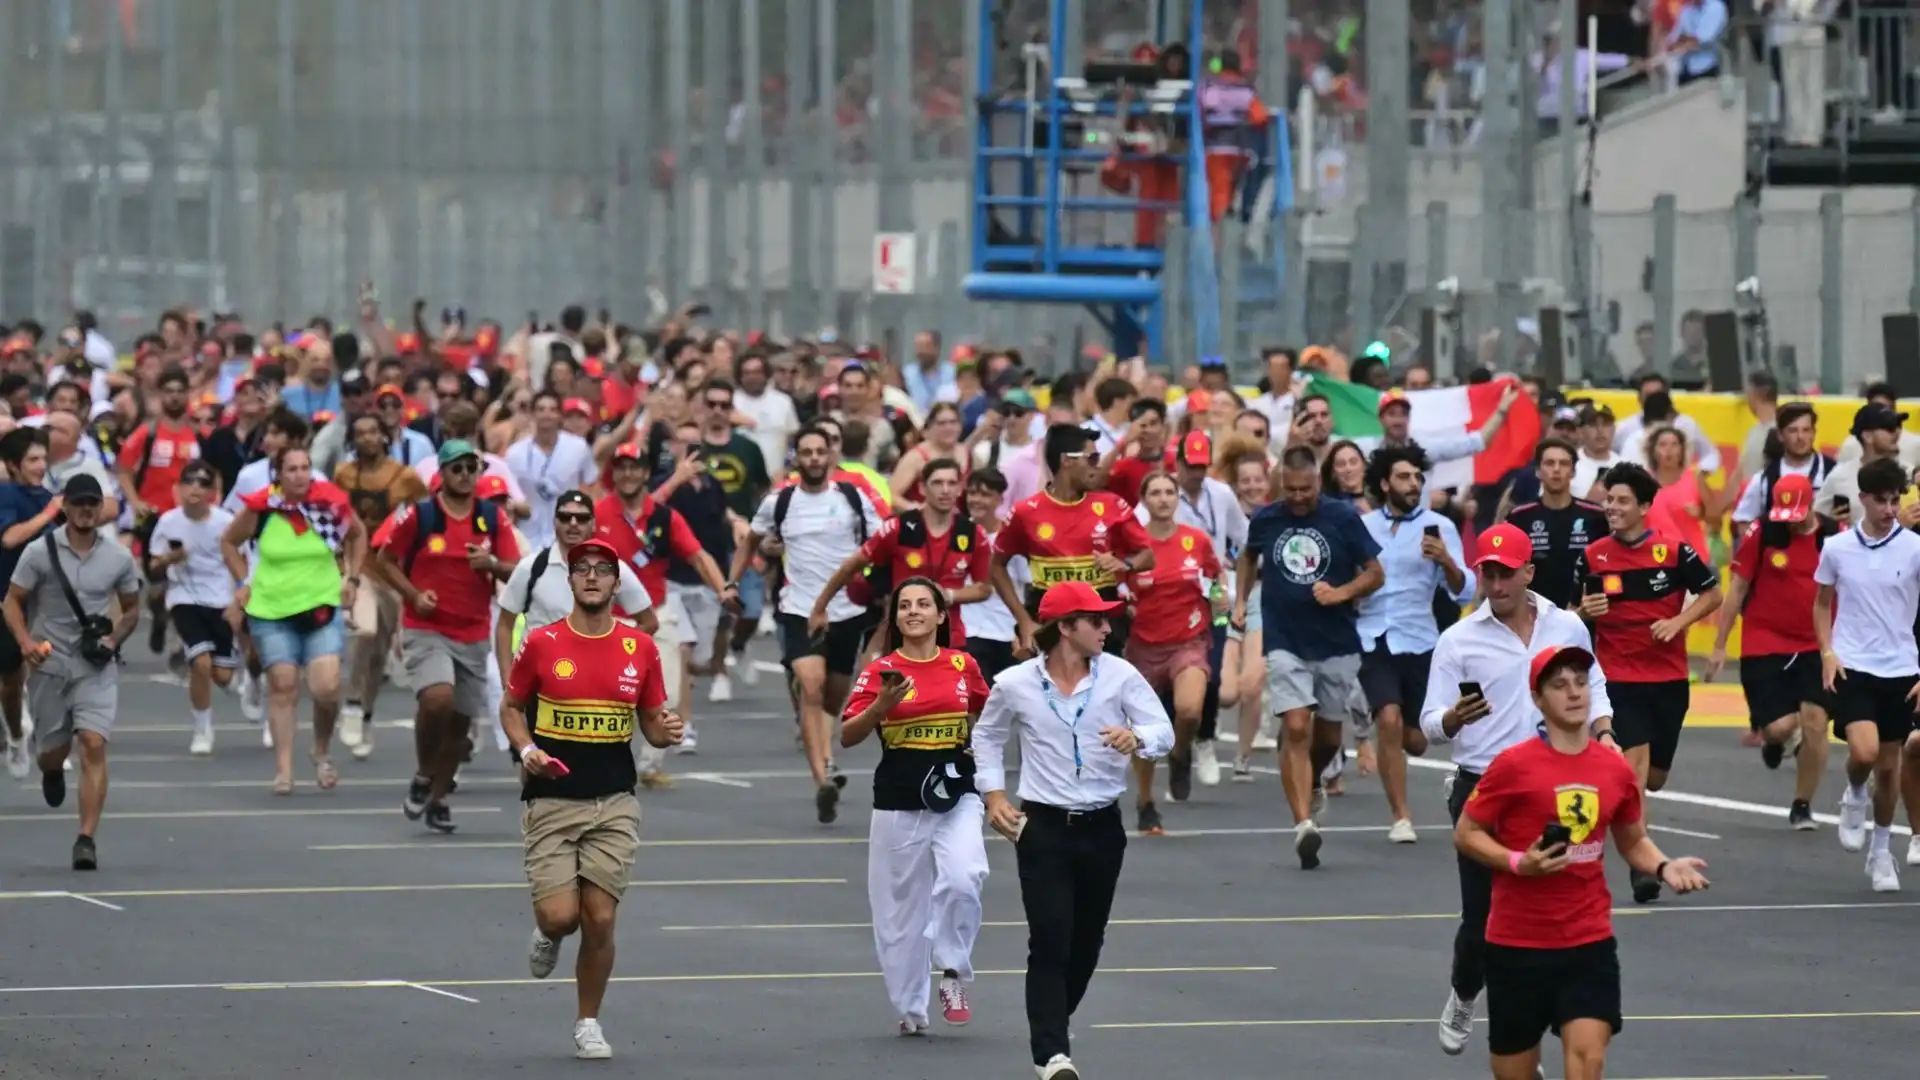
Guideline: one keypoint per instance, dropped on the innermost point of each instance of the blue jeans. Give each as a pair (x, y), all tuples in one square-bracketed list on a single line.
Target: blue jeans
[(279, 642)]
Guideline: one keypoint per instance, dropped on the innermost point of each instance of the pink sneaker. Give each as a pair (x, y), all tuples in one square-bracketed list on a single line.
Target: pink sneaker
[(953, 1003)]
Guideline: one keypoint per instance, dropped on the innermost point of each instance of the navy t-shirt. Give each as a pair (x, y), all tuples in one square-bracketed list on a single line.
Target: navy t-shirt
[(18, 503), (1331, 545)]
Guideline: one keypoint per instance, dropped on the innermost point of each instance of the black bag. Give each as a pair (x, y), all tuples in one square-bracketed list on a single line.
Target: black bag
[(96, 631), (310, 620), (944, 784)]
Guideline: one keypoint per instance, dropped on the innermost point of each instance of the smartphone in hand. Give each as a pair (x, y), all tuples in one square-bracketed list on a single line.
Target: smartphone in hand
[(1471, 689)]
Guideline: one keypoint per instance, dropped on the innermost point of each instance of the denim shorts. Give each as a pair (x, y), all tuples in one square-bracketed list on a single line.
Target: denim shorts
[(753, 595), (278, 642)]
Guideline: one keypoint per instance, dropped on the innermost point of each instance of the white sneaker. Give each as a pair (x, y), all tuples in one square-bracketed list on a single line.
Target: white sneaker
[(1402, 833), (1206, 764), (252, 694), (721, 691), (1058, 1067), (1263, 738), (689, 742), (266, 735), (589, 1042), (18, 763), (1884, 871), (1456, 1023), (542, 954), (1913, 845), (1853, 824), (202, 743), (1306, 844), (353, 724), (1318, 808), (743, 666), (363, 749)]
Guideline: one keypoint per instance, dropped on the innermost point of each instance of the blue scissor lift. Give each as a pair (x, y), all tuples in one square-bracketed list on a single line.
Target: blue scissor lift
[(1036, 154)]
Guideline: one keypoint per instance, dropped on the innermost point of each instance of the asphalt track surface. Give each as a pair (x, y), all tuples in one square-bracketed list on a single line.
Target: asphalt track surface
[(233, 934)]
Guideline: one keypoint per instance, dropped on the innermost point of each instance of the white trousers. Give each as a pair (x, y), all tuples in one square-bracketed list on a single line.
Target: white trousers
[(925, 873), (647, 757)]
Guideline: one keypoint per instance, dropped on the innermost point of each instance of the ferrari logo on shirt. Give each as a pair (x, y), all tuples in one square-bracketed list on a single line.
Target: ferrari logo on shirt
[(913, 560), (1099, 507), (1045, 531), (437, 544), (630, 645), (563, 669), (959, 662), (960, 542), (1611, 585), (1578, 808), (1779, 560), (1659, 553), (1186, 543)]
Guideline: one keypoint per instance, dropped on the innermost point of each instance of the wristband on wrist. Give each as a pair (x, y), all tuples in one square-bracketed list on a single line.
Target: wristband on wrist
[(1660, 872), (1513, 862)]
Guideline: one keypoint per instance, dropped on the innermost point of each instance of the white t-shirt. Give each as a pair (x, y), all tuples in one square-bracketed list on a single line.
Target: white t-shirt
[(254, 476), (553, 595), (1753, 496), (1876, 587), (1587, 472), (989, 619), (545, 476), (774, 423), (203, 579), (820, 531)]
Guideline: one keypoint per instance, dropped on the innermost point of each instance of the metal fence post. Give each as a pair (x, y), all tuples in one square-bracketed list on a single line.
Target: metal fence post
[(107, 196), (1233, 235), (716, 172), (1362, 272), (826, 144), (1832, 302), (348, 148), (1913, 283), (1746, 239), (753, 170), (1178, 336), (674, 271), (797, 168), (163, 185), (1666, 228), (283, 159), (1293, 302), (241, 265)]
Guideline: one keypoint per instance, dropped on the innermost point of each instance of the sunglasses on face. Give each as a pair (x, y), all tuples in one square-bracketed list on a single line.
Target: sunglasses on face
[(196, 481), (1078, 455), (463, 467), (574, 517), (595, 569), (720, 403)]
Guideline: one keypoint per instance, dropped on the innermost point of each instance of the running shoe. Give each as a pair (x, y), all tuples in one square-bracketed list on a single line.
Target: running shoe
[(834, 776), (1880, 867), (1206, 762), (266, 735), (1306, 844), (721, 691), (1058, 1067), (589, 1042), (87, 857), (954, 1008), (542, 954), (1913, 851), (157, 637), (1646, 887), (741, 663), (353, 723), (689, 742), (1319, 807), (416, 804), (440, 819), (1150, 821), (18, 763), (53, 787), (201, 744), (1180, 776), (826, 802), (1456, 1023), (363, 749), (1402, 833), (1800, 816), (910, 1026), (1242, 770), (251, 694), (1772, 753), (1853, 822)]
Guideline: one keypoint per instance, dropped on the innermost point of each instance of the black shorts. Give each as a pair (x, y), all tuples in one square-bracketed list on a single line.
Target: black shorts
[(10, 658), (1395, 679), (1778, 686), (1533, 991), (205, 630), (1650, 714), (840, 644), (993, 657), (1861, 698)]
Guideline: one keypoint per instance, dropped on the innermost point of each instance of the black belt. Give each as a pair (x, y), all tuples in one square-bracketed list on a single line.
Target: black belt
[(1464, 773), (1071, 817)]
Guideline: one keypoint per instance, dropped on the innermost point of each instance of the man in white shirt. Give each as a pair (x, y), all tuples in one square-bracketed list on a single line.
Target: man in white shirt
[(1079, 716), (1596, 450), (814, 526), (546, 463), (771, 415), (1794, 456), (1868, 660), (1480, 701), (540, 590), (1876, 434), (186, 545), (1276, 402), (990, 627)]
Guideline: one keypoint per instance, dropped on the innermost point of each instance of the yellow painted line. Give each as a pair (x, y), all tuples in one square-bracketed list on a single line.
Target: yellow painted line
[(1686, 1018), (192, 815), (770, 841), (298, 890)]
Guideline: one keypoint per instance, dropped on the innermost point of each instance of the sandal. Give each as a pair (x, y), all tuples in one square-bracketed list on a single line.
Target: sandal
[(283, 785), (324, 773)]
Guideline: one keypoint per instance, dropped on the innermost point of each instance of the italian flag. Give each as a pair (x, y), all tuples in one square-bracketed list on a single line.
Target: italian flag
[(1440, 414)]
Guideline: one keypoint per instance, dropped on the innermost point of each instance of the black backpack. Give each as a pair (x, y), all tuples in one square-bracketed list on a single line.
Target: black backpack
[(913, 534), (433, 522), (783, 502), (651, 537)]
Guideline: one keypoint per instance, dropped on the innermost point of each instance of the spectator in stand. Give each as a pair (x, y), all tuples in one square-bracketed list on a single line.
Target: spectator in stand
[(1596, 451), (1693, 45)]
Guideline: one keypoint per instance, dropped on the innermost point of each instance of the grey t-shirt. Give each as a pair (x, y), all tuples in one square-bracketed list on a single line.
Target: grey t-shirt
[(107, 571)]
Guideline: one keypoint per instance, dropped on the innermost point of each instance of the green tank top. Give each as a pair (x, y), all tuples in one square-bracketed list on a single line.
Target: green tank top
[(293, 573)]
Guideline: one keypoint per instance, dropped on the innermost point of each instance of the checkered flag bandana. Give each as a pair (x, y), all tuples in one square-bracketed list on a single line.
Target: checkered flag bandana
[(325, 510)]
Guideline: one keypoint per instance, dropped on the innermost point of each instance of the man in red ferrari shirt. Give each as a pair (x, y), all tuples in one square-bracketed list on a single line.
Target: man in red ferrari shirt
[(444, 555), (646, 534), (149, 468), (923, 542), (1779, 655), (1141, 449), (1540, 818)]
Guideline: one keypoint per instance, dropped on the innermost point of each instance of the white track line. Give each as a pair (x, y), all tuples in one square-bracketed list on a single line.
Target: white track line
[(85, 899), (444, 993)]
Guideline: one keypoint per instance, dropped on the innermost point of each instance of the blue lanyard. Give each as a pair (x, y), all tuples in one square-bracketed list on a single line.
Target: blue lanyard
[(1073, 725)]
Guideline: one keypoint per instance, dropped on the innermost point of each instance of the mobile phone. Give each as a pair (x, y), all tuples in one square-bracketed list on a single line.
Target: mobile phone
[(699, 311), (176, 544), (559, 767), (1432, 531), (1840, 504), (1555, 835), (1471, 689), (892, 678)]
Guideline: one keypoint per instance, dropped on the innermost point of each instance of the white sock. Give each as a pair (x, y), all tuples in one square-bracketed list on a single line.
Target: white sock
[(1857, 793), (1882, 838), (203, 719)]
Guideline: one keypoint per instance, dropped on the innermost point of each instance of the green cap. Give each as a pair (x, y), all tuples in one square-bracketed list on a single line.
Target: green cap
[(1379, 351), (455, 449), (1020, 397)]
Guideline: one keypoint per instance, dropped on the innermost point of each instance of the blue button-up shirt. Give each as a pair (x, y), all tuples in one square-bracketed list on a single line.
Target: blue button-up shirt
[(1402, 609), (1706, 23)]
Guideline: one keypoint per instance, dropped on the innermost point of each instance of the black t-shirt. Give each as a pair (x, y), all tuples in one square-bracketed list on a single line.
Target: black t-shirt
[(704, 506), (1559, 536)]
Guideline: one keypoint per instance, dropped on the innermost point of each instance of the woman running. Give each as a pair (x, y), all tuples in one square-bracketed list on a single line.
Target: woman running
[(309, 547), (926, 857), (1684, 503), (1252, 482), (1343, 475), (1174, 605), (943, 441)]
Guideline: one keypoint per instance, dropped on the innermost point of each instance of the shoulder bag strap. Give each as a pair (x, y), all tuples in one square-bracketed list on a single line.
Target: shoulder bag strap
[(60, 575)]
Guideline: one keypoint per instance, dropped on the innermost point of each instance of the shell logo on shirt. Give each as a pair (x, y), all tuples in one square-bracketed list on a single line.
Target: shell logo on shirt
[(1779, 560), (1045, 531), (563, 669), (1612, 585), (436, 544), (913, 560), (1577, 806)]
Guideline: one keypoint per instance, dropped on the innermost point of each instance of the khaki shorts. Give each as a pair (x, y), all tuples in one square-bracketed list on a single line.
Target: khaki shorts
[(436, 660), (575, 840)]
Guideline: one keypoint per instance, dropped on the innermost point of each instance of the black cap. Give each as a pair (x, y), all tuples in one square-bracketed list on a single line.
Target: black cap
[(81, 487), (574, 496), (354, 381), (1877, 417)]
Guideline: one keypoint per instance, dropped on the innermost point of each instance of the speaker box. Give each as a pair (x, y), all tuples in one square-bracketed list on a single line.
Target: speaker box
[(1550, 364), (1900, 335), (1724, 363)]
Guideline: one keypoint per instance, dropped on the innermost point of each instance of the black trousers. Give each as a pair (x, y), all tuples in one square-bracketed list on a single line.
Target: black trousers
[(1069, 865), (1476, 900)]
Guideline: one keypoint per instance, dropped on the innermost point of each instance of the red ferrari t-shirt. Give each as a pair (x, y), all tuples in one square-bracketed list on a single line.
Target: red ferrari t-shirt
[(1777, 619), (1170, 601), (931, 727), (582, 695), (463, 596), (645, 545), (173, 446), (1528, 787), (949, 561), (1127, 474), (1645, 582), (1060, 539)]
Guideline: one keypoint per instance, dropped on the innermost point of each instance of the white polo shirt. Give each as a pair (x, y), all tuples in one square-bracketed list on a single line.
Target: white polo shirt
[(1876, 586)]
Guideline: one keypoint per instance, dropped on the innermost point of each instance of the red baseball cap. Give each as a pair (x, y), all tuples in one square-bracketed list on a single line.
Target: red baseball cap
[(592, 545), (1572, 654), (389, 390), (576, 405), (1506, 545), (1196, 449), (1792, 499), (1395, 396), (629, 450), (1073, 598), (490, 486)]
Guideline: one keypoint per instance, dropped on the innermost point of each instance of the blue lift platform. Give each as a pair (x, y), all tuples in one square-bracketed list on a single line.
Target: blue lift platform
[(1040, 236)]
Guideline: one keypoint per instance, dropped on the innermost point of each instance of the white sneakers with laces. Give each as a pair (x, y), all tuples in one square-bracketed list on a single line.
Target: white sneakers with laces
[(253, 699), (589, 1042), (542, 955), (1456, 1023), (1206, 763), (1402, 833), (1913, 851), (1058, 1067), (1853, 822), (19, 764), (200, 746), (1884, 871), (721, 689)]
